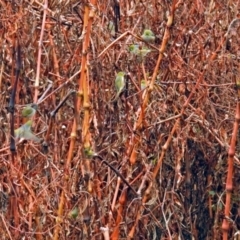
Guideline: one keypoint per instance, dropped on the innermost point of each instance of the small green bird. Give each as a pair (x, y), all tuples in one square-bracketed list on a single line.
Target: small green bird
[(73, 213), (111, 28), (119, 84), (24, 132), (29, 110), (148, 35), (144, 51), (134, 49), (143, 84)]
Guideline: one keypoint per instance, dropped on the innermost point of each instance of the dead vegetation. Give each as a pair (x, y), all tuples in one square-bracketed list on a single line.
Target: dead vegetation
[(173, 142)]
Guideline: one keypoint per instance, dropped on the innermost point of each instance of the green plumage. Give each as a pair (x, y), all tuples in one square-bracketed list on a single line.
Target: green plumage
[(73, 213), (143, 84), (119, 84), (148, 35), (142, 52), (111, 28), (29, 110), (134, 49), (25, 132)]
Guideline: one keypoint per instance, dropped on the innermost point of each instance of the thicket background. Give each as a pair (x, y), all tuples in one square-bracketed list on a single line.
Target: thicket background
[(183, 194)]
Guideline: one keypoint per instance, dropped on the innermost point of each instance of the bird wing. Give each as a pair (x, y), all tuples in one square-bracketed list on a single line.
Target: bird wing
[(30, 136)]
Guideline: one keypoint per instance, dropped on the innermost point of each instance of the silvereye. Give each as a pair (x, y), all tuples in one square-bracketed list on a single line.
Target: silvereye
[(119, 84), (143, 84), (73, 213), (143, 52), (29, 110), (25, 132), (148, 36), (111, 28), (134, 49)]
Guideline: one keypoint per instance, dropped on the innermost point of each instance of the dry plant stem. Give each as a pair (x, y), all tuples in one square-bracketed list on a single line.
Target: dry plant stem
[(105, 231), (110, 45), (115, 194), (40, 4), (135, 26), (116, 171), (45, 9), (229, 183), (84, 80), (122, 200), (54, 58), (13, 162), (31, 203), (128, 39), (205, 124), (88, 18), (39, 228), (166, 145), (54, 55), (166, 120), (192, 41), (144, 179), (120, 37), (139, 122), (122, 203), (5, 225), (231, 152), (45, 92), (12, 100), (219, 205), (1, 74), (139, 213), (164, 216), (43, 98), (54, 112)]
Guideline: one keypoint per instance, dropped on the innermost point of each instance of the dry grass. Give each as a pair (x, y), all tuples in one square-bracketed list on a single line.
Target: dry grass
[(170, 142)]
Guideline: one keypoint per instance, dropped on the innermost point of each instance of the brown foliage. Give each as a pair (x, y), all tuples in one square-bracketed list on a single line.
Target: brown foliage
[(170, 141)]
